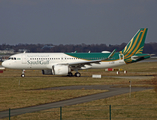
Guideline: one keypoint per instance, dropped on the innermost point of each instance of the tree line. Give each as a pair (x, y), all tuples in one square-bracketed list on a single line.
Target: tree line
[(150, 48)]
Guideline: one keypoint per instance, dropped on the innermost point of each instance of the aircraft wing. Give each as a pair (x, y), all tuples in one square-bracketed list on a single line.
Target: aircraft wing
[(81, 64)]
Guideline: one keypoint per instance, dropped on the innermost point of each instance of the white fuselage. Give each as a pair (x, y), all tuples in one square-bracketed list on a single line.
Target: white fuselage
[(47, 60)]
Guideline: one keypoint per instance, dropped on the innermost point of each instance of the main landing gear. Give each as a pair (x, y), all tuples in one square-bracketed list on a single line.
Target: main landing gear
[(77, 74), (23, 73), (70, 74)]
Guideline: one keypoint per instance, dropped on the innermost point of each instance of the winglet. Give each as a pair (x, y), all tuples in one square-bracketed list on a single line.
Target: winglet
[(111, 55)]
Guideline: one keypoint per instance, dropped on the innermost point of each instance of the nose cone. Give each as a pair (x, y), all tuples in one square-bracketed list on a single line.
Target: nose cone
[(5, 64)]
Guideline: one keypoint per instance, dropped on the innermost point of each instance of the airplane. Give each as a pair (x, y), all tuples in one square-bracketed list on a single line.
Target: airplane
[(65, 63)]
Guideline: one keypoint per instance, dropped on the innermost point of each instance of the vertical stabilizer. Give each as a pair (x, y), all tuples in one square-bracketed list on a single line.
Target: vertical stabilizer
[(135, 46)]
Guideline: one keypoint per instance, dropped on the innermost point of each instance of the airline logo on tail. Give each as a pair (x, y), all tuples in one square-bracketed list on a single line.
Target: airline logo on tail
[(135, 46)]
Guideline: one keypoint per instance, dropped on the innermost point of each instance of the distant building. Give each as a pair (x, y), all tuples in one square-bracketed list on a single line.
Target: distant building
[(11, 51), (47, 47), (3, 57), (23, 50)]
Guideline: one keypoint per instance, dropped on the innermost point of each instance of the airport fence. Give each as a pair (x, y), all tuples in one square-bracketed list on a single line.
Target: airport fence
[(107, 112)]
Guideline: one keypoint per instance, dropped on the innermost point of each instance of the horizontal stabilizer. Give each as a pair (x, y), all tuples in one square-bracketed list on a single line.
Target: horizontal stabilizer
[(136, 57)]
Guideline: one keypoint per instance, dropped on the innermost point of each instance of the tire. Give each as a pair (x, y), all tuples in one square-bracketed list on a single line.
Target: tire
[(23, 75), (70, 74), (77, 74)]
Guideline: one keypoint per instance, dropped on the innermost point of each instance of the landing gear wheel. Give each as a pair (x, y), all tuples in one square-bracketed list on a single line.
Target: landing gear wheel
[(23, 75), (70, 74), (77, 74)]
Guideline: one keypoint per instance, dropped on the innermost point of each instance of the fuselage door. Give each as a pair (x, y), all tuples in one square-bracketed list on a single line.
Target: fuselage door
[(24, 60), (121, 56), (63, 59)]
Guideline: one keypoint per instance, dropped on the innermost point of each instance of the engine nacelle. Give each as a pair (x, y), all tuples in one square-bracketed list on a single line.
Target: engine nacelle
[(57, 70), (60, 69)]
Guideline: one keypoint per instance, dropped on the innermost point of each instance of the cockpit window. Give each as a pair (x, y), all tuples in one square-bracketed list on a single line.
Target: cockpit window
[(11, 58)]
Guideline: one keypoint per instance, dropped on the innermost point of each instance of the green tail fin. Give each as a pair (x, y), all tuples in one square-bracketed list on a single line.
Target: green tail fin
[(135, 46)]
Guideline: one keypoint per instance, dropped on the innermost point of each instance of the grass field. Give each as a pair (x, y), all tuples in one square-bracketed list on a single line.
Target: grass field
[(17, 92)]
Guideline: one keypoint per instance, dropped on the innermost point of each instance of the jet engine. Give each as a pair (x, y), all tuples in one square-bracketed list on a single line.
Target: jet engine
[(57, 70)]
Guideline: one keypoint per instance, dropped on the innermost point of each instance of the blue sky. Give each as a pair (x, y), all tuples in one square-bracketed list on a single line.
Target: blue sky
[(76, 21)]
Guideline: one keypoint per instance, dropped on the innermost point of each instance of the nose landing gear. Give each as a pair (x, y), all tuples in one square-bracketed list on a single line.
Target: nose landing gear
[(23, 73)]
